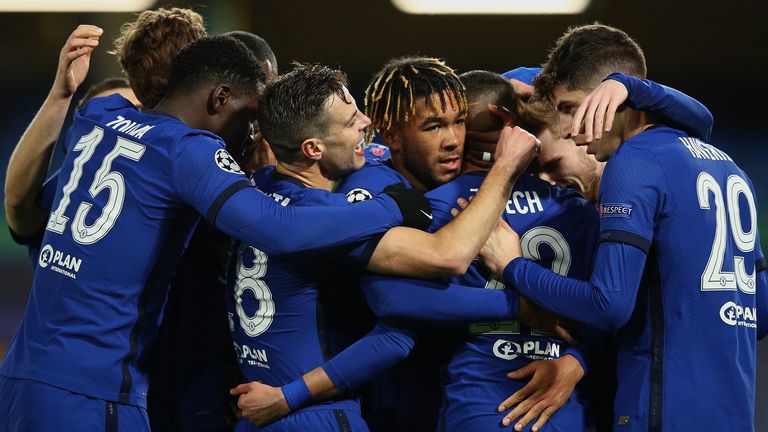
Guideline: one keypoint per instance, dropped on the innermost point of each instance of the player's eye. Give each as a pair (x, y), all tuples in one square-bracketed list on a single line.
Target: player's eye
[(460, 121)]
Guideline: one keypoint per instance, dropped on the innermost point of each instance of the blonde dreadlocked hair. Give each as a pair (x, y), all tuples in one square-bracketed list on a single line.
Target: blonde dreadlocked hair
[(392, 94)]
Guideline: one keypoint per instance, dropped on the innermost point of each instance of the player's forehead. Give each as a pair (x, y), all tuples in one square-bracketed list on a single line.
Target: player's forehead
[(341, 110), (443, 105)]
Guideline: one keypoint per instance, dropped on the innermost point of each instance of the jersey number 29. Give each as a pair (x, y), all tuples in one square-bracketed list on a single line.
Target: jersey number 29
[(714, 278)]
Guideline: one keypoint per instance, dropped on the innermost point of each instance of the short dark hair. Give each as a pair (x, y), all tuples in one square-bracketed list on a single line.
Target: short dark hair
[(393, 91), (258, 46), (485, 87), (111, 83), (214, 60), (585, 55), (294, 107)]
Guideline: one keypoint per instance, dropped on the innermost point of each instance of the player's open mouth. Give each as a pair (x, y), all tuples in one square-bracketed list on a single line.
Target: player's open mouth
[(451, 164), (360, 148)]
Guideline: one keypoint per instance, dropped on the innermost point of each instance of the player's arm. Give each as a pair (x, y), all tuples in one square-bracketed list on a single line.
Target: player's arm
[(29, 161), (375, 352), (670, 106), (450, 250), (227, 200), (607, 299), (432, 303)]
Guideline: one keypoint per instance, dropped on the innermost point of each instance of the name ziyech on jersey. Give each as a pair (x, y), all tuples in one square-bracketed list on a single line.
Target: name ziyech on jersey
[(522, 202)]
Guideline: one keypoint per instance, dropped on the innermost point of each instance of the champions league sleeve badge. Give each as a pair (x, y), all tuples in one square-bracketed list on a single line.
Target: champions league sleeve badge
[(226, 162)]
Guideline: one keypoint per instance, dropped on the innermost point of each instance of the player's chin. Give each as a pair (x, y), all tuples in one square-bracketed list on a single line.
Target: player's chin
[(446, 176)]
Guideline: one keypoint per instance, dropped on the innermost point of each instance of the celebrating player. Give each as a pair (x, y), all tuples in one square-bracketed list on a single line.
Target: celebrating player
[(133, 179), (657, 282)]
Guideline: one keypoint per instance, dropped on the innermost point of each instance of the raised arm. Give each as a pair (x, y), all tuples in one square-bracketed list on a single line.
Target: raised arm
[(29, 162), (450, 250), (670, 106)]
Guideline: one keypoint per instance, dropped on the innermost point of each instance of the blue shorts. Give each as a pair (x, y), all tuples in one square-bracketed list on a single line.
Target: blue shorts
[(27, 405), (321, 420)]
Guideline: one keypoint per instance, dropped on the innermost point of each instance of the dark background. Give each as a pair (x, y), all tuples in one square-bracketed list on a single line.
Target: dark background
[(711, 50)]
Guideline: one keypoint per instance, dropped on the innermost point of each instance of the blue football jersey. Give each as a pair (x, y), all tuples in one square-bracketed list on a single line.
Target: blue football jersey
[(276, 317), (687, 355), (558, 229), (109, 249), (131, 190)]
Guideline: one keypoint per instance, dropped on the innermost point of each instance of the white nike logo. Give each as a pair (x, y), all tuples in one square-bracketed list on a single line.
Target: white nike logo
[(429, 215)]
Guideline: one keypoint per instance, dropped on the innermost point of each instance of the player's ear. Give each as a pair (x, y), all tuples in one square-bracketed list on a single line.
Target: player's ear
[(391, 138), (312, 149), (219, 98)]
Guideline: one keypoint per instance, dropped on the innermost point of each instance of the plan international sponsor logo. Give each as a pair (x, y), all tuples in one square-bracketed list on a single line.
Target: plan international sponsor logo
[(59, 262)]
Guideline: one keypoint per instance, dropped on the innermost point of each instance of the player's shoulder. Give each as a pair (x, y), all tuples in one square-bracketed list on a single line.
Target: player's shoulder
[(463, 185), (369, 181), (118, 114), (656, 142), (287, 190)]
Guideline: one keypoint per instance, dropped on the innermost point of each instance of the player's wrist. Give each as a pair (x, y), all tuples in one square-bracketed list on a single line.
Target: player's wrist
[(57, 97), (296, 394)]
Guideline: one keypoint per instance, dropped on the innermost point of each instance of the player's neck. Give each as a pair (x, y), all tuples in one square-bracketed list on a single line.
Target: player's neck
[(397, 165), (636, 122), (471, 164), (309, 176), (184, 110)]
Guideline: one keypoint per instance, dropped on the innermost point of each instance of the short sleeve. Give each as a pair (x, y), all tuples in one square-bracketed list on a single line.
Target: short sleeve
[(632, 193)]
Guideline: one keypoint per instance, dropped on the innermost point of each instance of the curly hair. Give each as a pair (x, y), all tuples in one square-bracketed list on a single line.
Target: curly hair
[(146, 47), (392, 94)]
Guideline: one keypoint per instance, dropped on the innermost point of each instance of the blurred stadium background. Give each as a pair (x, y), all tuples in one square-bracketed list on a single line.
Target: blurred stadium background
[(711, 50)]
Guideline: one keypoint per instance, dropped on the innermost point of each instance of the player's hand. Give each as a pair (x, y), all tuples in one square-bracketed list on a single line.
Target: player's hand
[(501, 247), (539, 318), (75, 59), (415, 208), (260, 403), (551, 384), (516, 147), (598, 110)]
